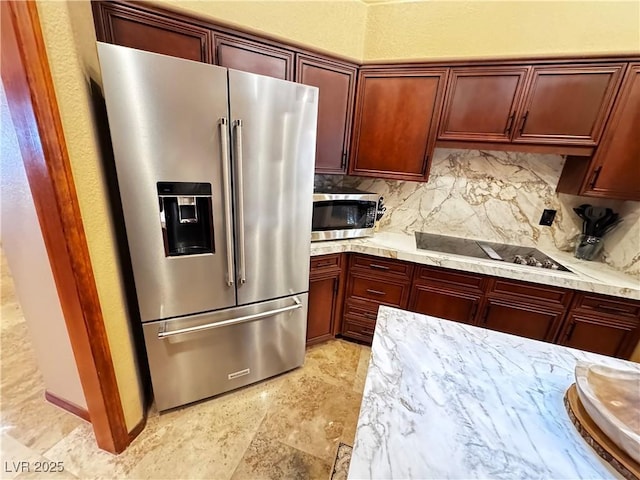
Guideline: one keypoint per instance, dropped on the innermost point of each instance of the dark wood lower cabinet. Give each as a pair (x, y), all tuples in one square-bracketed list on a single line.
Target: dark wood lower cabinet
[(325, 298), (447, 294), (599, 335), (529, 321), (586, 321), (602, 324), (372, 282), (322, 308), (447, 304)]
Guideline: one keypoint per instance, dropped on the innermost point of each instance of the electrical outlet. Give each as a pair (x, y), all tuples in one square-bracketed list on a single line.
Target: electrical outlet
[(547, 217)]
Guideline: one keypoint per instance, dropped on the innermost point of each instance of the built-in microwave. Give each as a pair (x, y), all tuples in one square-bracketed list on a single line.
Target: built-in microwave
[(343, 213)]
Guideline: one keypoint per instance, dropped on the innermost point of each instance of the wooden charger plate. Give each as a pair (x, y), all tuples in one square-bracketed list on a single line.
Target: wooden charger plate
[(609, 451)]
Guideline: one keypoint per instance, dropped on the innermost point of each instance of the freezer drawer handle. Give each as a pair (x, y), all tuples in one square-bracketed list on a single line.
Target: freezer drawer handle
[(242, 274), (227, 199), (232, 321)]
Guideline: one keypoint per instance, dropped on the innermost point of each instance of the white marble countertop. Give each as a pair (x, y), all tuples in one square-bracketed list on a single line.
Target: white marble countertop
[(448, 400), (587, 276)]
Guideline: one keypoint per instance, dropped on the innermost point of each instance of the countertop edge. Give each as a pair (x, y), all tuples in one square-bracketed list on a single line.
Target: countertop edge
[(581, 281)]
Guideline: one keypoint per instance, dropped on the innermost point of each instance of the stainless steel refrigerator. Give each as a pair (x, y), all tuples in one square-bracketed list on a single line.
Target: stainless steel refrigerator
[(215, 172)]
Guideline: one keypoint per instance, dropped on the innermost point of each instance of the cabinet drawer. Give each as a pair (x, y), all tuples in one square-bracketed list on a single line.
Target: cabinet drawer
[(600, 335), (367, 312), (382, 292), (529, 292), (382, 266), (450, 278), (608, 305), (527, 321), (442, 303), (354, 328), (326, 262)]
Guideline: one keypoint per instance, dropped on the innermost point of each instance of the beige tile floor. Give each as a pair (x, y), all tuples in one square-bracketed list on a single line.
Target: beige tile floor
[(285, 427)]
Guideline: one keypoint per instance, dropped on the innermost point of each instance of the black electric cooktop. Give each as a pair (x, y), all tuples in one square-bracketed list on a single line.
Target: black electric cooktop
[(487, 250)]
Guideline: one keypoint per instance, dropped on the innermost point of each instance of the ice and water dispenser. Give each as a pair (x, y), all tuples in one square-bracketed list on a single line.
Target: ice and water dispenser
[(186, 218)]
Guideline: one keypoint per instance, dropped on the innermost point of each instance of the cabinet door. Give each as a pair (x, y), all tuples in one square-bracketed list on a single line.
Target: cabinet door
[(567, 104), (323, 299), (253, 57), (599, 335), (528, 321), (336, 83), (395, 123), (615, 170), (442, 303), (481, 103), (123, 25)]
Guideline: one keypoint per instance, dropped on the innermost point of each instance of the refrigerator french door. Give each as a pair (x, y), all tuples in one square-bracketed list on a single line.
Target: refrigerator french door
[(215, 172)]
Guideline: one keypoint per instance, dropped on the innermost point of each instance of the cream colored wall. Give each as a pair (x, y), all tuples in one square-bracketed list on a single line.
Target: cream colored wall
[(23, 245), (333, 26), (70, 42), (415, 30)]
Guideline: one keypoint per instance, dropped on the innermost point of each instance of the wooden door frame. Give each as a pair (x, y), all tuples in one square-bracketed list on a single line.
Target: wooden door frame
[(34, 111)]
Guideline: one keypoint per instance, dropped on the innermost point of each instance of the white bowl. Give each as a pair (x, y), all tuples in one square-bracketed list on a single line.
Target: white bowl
[(611, 397)]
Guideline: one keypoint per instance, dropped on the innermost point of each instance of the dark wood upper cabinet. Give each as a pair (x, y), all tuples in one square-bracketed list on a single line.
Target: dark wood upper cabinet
[(123, 25), (336, 82), (396, 120), (253, 57), (481, 103), (615, 170), (567, 104)]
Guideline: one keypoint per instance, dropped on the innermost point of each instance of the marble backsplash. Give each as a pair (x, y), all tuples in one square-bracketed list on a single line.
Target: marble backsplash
[(498, 196)]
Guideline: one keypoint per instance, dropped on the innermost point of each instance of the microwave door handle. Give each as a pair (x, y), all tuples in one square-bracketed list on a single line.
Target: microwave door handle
[(240, 202), (224, 143)]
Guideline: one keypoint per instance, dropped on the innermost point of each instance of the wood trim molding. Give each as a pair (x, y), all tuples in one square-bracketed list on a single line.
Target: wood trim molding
[(137, 429), (70, 407), (34, 111), (576, 150)]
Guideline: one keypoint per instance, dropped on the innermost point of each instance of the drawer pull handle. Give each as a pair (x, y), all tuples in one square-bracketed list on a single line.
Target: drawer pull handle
[(366, 331), (507, 130), (370, 316), (375, 292), (162, 333), (379, 267), (569, 334), (613, 309), (325, 264)]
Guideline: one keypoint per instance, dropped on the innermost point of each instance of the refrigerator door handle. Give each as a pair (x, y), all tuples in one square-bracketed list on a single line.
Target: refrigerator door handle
[(242, 279), (223, 123), (227, 323)]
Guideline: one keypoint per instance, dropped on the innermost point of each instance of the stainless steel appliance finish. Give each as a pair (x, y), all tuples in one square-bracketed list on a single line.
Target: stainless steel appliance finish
[(163, 117), (272, 180), (340, 213), (203, 355), (215, 170)]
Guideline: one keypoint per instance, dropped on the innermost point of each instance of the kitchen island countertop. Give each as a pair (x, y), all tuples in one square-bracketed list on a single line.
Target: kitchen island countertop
[(448, 400), (587, 276)]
